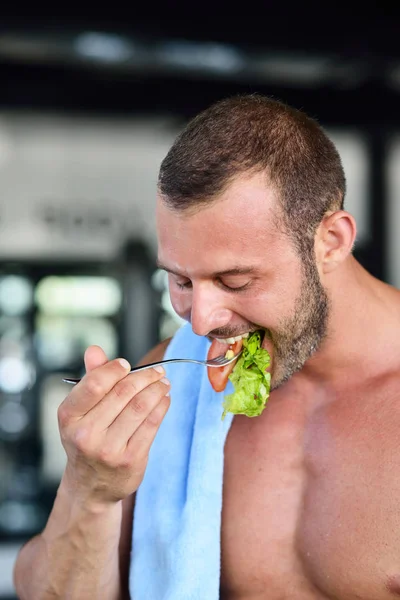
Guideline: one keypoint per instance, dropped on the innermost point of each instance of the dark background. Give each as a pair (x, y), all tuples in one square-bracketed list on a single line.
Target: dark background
[(351, 77)]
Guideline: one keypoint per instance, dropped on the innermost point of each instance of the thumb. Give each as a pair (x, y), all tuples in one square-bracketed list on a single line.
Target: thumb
[(94, 357)]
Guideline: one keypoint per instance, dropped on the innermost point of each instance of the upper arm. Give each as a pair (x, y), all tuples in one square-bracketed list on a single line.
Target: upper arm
[(128, 504)]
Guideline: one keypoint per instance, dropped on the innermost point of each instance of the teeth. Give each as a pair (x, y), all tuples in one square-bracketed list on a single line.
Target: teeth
[(232, 340)]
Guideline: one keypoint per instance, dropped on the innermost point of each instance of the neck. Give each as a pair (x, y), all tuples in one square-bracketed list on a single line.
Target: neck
[(361, 336)]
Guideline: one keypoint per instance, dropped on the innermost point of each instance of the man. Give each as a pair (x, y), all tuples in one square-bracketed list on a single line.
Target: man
[(253, 233)]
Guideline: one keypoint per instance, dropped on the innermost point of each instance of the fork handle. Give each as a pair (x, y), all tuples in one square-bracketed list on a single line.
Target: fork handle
[(148, 366)]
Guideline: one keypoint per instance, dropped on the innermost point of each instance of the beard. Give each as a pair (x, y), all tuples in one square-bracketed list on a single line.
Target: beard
[(297, 337)]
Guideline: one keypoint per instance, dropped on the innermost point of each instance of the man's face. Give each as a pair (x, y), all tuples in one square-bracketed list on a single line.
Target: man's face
[(231, 270)]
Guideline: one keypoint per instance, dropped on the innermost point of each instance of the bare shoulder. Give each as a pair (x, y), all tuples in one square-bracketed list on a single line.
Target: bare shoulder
[(156, 353)]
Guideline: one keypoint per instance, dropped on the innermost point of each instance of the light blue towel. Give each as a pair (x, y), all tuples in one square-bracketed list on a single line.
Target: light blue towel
[(176, 552)]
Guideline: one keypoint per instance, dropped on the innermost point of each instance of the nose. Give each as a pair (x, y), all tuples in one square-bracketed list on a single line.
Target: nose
[(208, 311)]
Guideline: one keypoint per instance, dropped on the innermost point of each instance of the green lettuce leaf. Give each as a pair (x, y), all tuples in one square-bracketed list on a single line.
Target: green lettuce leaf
[(251, 381)]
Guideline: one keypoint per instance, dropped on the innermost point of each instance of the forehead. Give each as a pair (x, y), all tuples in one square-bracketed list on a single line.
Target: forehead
[(241, 226)]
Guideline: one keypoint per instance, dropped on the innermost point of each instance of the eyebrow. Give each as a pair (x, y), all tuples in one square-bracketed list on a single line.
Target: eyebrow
[(225, 273)]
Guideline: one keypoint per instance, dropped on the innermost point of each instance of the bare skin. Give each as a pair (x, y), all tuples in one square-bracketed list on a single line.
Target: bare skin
[(311, 496), (107, 424), (311, 492)]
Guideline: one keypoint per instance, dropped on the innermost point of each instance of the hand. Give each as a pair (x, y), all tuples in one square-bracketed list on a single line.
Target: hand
[(107, 425)]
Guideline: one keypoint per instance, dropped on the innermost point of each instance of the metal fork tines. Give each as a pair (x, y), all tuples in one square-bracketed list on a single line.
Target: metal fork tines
[(218, 361)]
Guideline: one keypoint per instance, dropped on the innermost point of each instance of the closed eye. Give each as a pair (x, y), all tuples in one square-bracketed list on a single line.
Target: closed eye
[(233, 289), (183, 285), (187, 285)]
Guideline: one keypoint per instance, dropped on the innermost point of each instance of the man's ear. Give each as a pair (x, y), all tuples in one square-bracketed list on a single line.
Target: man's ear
[(335, 239)]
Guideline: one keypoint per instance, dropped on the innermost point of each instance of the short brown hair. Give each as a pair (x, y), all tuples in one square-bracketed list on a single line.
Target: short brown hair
[(254, 133)]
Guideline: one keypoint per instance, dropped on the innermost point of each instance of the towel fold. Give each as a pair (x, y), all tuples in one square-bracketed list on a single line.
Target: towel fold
[(176, 548)]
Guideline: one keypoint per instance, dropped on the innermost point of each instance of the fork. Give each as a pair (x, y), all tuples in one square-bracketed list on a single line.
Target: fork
[(218, 361)]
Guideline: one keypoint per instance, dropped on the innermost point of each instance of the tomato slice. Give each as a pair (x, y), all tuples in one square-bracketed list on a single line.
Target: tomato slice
[(218, 376)]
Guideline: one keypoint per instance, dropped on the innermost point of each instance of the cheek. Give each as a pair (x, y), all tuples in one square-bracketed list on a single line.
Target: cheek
[(268, 309)]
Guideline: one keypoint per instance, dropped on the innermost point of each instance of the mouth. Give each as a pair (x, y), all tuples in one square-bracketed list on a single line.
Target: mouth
[(242, 336), (231, 340)]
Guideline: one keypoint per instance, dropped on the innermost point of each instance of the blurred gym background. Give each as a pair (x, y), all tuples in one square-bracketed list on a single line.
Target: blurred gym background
[(89, 105)]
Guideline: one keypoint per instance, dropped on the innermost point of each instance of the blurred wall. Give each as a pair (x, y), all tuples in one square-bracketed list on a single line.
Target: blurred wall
[(77, 186)]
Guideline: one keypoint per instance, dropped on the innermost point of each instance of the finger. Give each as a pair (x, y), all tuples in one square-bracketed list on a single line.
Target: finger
[(96, 384), (94, 357), (139, 444), (136, 411), (125, 391)]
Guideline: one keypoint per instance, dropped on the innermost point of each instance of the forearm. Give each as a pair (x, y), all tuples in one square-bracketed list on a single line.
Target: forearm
[(76, 556), (107, 432)]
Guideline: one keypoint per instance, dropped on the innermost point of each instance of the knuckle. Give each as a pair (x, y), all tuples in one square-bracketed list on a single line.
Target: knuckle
[(154, 419), (125, 463), (106, 455), (63, 416), (82, 440), (93, 386), (156, 416), (138, 405), (126, 388)]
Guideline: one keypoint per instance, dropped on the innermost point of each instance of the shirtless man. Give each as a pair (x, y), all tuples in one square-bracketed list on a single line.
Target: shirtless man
[(253, 233)]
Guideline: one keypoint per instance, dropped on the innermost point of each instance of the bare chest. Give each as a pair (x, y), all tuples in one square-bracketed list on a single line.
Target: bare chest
[(311, 507)]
